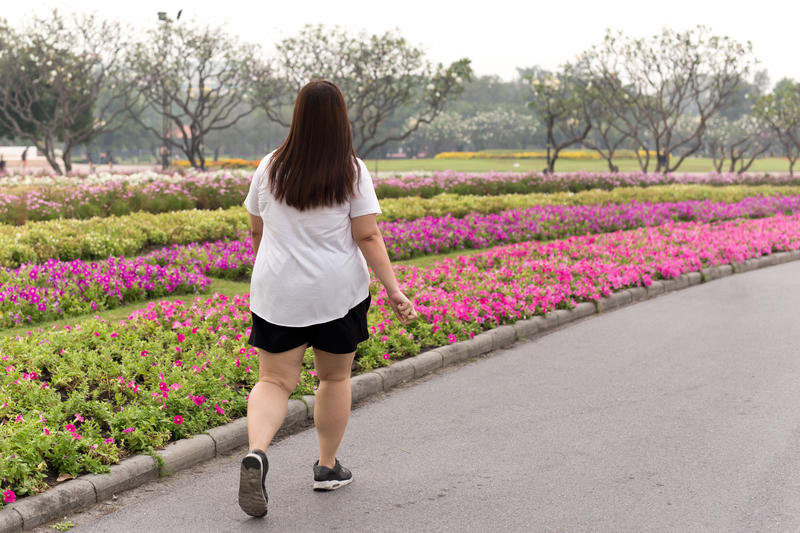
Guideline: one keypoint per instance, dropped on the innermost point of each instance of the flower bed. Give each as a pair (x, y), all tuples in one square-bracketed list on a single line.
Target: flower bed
[(78, 198), (33, 294), (436, 235), (99, 238), (129, 235), (77, 399), (494, 183)]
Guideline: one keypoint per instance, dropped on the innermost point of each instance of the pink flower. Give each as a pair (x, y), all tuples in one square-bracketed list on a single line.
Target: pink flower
[(144, 353), (114, 335), (198, 400), (109, 440), (178, 419), (220, 410), (96, 334), (9, 496), (452, 338), (47, 432), (76, 436), (178, 349), (181, 337), (70, 428), (386, 356), (178, 363), (175, 386), (18, 419), (129, 430), (78, 417), (384, 338)]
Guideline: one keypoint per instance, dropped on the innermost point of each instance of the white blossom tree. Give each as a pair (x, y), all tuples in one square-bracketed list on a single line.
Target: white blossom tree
[(63, 78), (377, 74)]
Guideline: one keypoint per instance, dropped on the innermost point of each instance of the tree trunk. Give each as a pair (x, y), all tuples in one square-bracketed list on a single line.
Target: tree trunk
[(67, 158), (50, 155), (216, 153)]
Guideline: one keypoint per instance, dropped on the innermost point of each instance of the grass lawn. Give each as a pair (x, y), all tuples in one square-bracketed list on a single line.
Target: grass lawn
[(562, 165)]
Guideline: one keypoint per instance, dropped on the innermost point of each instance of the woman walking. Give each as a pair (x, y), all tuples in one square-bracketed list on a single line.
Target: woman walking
[(313, 214)]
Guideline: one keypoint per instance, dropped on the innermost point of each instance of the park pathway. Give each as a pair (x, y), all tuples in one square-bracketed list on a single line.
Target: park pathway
[(679, 414)]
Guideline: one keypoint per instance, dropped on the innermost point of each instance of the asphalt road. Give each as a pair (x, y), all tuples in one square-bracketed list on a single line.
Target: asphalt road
[(681, 414)]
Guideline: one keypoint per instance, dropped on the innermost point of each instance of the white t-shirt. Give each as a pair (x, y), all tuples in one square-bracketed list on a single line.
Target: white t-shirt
[(308, 269)]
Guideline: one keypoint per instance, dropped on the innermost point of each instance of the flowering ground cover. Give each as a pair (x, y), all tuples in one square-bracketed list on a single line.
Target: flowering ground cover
[(37, 198), (434, 235), (75, 400), (45, 198), (129, 235), (35, 293), (494, 183), (32, 294)]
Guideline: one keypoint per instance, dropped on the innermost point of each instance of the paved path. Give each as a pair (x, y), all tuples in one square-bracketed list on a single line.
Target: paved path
[(676, 414)]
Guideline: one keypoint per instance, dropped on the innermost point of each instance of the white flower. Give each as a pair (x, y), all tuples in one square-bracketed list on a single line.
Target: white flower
[(431, 87)]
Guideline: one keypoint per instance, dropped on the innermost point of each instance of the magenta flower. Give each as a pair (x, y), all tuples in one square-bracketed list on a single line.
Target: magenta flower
[(178, 419), (181, 337), (47, 432), (109, 440), (386, 356), (452, 338), (144, 353), (78, 417), (129, 430), (70, 428), (9, 496), (220, 410)]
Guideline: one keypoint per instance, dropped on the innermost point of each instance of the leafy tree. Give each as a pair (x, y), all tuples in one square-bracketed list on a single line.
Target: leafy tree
[(63, 78), (736, 140), (558, 101), (649, 84), (378, 74), (499, 128), (781, 111), (200, 79)]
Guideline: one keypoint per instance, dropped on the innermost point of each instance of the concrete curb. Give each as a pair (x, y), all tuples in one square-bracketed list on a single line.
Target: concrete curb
[(78, 493)]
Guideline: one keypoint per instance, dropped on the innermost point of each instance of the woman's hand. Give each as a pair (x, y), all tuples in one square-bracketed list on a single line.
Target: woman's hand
[(402, 307)]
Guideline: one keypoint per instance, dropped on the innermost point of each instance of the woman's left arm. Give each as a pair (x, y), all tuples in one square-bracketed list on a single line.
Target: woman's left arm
[(256, 230)]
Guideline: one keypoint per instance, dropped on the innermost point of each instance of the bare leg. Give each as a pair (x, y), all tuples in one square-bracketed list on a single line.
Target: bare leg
[(277, 378), (332, 405)]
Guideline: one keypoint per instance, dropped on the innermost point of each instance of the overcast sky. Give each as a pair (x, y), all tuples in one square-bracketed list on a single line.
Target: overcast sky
[(497, 35)]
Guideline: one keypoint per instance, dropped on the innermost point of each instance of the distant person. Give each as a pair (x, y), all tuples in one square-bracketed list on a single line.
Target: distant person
[(25, 158), (313, 207), (110, 159), (2, 166), (90, 161)]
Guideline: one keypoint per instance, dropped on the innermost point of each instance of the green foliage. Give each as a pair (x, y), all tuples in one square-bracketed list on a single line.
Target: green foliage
[(98, 238)]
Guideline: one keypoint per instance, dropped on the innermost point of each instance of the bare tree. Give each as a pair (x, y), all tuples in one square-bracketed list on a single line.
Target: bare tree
[(651, 83), (559, 103), (63, 78), (377, 74), (200, 78), (781, 111)]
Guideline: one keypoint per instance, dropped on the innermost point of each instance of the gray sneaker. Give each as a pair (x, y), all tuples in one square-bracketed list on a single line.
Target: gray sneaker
[(252, 493), (331, 478)]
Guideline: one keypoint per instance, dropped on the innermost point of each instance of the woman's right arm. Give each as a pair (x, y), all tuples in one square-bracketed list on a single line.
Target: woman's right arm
[(370, 241)]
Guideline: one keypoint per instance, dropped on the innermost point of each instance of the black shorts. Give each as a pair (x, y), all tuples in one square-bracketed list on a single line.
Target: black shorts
[(337, 336)]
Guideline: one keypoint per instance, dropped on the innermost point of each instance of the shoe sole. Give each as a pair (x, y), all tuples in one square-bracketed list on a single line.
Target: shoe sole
[(251, 495), (331, 485)]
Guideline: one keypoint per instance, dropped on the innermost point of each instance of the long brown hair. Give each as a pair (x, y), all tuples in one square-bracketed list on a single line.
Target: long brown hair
[(316, 165)]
